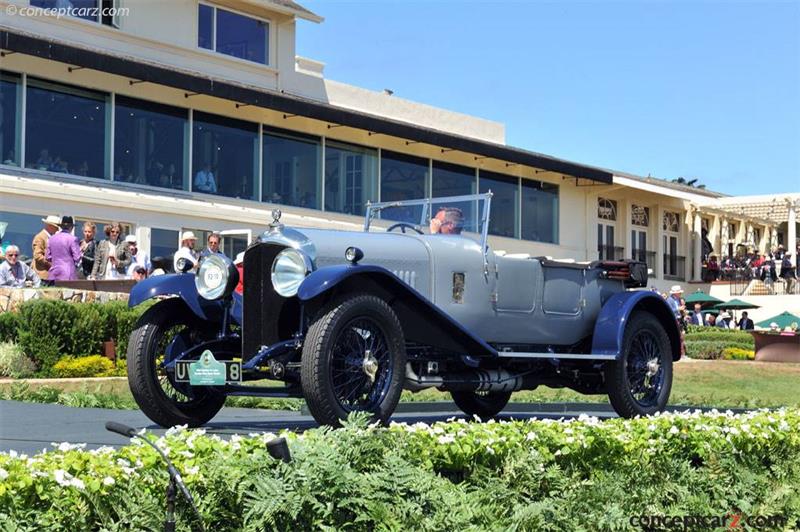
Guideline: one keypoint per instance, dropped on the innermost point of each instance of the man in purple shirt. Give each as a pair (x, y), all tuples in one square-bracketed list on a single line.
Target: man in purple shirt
[(64, 253)]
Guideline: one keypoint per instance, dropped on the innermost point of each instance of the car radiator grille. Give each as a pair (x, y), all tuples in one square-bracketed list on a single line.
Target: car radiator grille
[(261, 303)]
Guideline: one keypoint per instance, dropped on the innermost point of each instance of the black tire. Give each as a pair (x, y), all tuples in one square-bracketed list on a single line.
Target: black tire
[(162, 400), (633, 388), (485, 405), (334, 364)]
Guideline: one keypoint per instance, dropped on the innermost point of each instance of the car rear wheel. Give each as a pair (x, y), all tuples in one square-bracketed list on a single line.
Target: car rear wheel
[(485, 405), (164, 330), (353, 360), (639, 382)]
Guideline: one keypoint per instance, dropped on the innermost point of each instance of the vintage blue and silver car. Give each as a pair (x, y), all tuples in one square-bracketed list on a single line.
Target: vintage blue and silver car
[(347, 320)]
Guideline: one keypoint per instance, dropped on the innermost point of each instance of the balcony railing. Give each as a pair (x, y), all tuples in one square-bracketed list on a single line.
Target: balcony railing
[(674, 267), (761, 282), (610, 253), (648, 257)]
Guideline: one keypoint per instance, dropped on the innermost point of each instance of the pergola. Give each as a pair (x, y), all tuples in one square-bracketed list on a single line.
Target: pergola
[(772, 208)]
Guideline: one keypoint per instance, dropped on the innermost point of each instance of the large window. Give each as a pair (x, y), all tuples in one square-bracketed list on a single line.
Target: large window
[(163, 242), (505, 203), (65, 129), (291, 169), (10, 117), (351, 177), (403, 177), (85, 9), (233, 34), (225, 156), (19, 230), (539, 211), (453, 180), (150, 143)]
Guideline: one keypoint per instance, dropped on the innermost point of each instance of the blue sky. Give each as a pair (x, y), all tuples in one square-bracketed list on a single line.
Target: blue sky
[(696, 89)]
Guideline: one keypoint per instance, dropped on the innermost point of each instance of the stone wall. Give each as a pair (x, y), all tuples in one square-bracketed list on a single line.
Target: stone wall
[(12, 298)]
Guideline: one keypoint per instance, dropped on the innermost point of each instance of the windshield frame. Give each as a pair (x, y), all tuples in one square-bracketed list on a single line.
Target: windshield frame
[(373, 209)]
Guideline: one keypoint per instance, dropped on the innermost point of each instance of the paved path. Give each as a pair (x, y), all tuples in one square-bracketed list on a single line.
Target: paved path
[(30, 428)]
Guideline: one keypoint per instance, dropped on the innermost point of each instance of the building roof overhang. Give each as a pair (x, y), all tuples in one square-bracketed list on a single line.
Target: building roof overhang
[(287, 103), (287, 7), (772, 207)]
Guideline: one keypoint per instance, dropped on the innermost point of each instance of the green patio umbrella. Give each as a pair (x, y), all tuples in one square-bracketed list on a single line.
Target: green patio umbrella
[(784, 319), (702, 298), (735, 304)]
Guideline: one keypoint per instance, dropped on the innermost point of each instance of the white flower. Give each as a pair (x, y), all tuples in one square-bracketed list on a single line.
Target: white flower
[(674, 430), (570, 439), (61, 477), (123, 463), (186, 454), (128, 471), (446, 438), (66, 446), (177, 429), (531, 436), (108, 481), (77, 483), (192, 470), (3, 474)]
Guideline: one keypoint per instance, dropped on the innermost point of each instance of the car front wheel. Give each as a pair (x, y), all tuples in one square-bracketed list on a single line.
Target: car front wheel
[(639, 382), (353, 360), (165, 329)]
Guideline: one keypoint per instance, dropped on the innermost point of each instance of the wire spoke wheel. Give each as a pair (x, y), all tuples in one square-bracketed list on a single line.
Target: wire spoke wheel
[(640, 380), (162, 333), (644, 369), (360, 369), (353, 360)]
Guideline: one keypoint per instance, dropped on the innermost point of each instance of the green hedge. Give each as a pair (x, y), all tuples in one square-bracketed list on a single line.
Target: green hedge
[(712, 350), (522, 475), (710, 334), (47, 330), (9, 323)]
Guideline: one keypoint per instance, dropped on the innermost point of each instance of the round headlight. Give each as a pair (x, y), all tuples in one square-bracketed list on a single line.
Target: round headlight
[(288, 270), (216, 277)]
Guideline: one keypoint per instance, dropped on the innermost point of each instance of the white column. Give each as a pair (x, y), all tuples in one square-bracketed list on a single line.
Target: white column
[(626, 226), (791, 244), (697, 247), (658, 225), (723, 238)]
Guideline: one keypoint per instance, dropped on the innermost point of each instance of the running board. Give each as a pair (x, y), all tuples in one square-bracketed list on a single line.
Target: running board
[(572, 356)]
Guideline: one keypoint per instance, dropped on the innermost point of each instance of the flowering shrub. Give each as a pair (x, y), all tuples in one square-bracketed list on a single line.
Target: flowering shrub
[(736, 353), (14, 363), (530, 475), (88, 366)]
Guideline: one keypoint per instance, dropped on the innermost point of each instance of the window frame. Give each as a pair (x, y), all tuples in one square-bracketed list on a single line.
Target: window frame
[(213, 50)]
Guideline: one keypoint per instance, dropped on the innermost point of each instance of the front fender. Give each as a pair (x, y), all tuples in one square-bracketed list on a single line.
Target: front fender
[(177, 284), (422, 321), (609, 329)]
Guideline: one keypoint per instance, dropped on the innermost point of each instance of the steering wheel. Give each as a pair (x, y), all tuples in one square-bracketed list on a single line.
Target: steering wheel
[(403, 226)]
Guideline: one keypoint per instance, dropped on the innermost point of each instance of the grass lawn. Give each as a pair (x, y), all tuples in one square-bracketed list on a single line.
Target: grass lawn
[(717, 383)]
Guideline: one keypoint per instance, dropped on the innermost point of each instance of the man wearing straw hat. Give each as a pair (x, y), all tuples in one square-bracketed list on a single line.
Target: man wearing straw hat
[(40, 263), (186, 252), (675, 301)]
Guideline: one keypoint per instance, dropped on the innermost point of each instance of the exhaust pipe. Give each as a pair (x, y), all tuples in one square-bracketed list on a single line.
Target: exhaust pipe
[(479, 380)]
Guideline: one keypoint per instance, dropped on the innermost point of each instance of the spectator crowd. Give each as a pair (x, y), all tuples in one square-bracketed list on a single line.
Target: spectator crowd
[(57, 254), (775, 266)]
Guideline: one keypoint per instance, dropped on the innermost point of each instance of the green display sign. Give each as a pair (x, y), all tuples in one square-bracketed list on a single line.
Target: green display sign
[(207, 371)]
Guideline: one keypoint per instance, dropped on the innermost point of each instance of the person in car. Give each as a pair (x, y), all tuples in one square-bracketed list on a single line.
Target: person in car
[(448, 221)]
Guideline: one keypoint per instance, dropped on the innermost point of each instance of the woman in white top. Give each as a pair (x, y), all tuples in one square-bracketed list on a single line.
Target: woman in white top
[(111, 258)]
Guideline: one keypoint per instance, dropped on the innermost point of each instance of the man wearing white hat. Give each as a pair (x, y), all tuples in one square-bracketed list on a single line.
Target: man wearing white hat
[(40, 263), (675, 300), (186, 252), (725, 321)]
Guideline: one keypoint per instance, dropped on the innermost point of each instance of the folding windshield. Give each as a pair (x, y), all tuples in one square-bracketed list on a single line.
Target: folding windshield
[(464, 215)]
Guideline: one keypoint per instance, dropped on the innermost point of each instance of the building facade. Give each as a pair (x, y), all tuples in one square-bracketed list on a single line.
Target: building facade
[(196, 115)]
